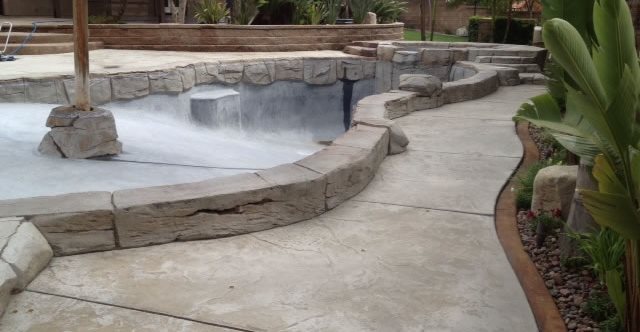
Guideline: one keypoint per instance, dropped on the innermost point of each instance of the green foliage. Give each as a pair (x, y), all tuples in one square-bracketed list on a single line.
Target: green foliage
[(473, 28), (309, 11), (606, 251), (211, 11), (578, 13), (332, 11), (520, 30), (360, 8), (548, 222), (599, 307), (245, 11), (603, 86), (524, 186), (389, 11)]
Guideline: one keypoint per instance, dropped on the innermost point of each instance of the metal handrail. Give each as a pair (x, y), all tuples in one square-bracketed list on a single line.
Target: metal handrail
[(6, 43)]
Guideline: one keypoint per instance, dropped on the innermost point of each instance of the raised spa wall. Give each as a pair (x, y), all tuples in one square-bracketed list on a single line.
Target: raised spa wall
[(249, 202)]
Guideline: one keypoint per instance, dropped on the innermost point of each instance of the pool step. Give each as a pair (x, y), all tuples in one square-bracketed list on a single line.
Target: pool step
[(523, 67), (533, 78), (361, 51), (48, 48), (37, 38), (217, 109), (505, 59)]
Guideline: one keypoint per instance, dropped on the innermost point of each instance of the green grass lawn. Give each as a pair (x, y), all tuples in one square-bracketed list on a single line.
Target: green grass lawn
[(415, 35)]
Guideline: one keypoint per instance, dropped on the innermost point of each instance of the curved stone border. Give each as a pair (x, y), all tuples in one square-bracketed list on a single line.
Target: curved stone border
[(95, 221), (544, 309), (24, 252)]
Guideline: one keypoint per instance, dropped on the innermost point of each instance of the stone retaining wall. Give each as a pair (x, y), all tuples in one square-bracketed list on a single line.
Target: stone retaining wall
[(124, 86), (231, 38)]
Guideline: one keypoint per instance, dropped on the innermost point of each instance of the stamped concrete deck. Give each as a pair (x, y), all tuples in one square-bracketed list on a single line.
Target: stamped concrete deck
[(415, 251)]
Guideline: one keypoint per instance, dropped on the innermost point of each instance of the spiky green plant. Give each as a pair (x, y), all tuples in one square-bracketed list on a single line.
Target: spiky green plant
[(211, 11), (359, 9), (600, 124), (389, 11)]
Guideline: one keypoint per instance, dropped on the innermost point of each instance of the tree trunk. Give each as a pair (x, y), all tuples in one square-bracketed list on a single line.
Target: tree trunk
[(434, 5), (579, 219), (632, 263)]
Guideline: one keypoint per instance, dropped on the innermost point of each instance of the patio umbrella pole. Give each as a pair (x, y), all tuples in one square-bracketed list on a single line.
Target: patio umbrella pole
[(81, 53)]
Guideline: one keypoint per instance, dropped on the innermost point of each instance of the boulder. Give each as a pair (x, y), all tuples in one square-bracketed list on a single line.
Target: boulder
[(80, 134), (424, 85), (371, 18), (320, 71), (553, 189)]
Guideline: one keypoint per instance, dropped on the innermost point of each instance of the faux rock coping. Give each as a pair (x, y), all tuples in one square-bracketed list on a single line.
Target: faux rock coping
[(220, 207), (97, 221), (175, 80), (24, 252)]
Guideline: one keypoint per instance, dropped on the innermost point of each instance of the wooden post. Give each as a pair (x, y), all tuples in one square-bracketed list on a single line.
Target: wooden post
[(81, 53)]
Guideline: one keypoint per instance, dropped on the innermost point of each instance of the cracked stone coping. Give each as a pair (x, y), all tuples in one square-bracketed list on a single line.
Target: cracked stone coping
[(24, 252), (97, 221)]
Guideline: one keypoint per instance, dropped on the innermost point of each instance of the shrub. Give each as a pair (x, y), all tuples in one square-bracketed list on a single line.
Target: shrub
[(474, 28), (245, 11), (389, 11), (524, 188), (211, 11), (520, 30), (360, 8)]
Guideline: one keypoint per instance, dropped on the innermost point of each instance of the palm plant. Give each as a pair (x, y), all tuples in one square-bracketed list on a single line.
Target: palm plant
[(389, 11), (600, 126), (211, 11), (359, 9), (245, 11), (333, 11)]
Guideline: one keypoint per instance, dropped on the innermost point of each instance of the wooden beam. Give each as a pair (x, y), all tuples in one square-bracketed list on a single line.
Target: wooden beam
[(81, 53)]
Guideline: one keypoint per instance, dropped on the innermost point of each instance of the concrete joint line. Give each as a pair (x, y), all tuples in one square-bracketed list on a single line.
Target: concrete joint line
[(234, 328)]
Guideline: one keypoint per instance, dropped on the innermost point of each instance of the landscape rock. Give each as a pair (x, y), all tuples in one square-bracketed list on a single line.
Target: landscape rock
[(45, 91), (99, 90), (129, 86), (80, 134), (27, 252), (386, 52), (202, 75), (12, 91), (260, 73), (371, 18), (436, 57), (165, 81), (188, 77), (350, 69), (289, 69), (320, 71), (398, 140), (227, 72), (553, 189), (424, 85)]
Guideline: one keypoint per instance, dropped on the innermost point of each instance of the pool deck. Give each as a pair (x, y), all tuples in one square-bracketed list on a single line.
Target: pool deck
[(415, 251), (103, 62)]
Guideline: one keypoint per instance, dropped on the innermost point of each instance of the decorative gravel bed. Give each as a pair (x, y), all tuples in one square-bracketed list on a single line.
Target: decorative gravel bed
[(571, 285)]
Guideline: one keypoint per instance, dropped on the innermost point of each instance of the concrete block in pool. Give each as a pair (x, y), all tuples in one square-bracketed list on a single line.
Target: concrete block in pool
[(217, 108)]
